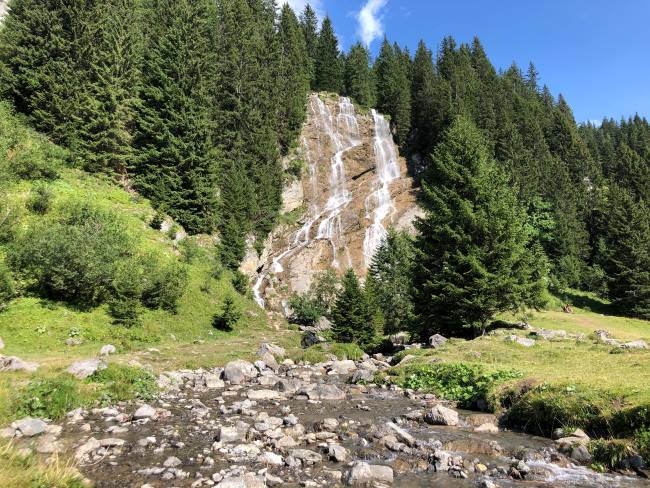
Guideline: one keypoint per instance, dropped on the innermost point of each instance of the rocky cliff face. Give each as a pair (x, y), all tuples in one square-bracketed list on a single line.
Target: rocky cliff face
[(4, 9), (353, 188)]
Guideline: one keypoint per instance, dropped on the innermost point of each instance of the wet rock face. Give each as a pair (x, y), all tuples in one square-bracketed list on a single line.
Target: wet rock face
[(354, 187)]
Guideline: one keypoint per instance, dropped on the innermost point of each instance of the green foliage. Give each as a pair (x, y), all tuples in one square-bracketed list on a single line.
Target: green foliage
[(40, 199), (164, 284), (389, 281), (351, 315), (157, 220), (610, 453), (240, 282), (394, 88), (124, 304), (547, 407), (7, 289), (468, 384), (48, 397), (473, 258), (123, 383), (189, 250), (309, 27), (358, 77), (642, 443), (347, 351), (305, 310), (227, 319), (318, 301), (329, 65)]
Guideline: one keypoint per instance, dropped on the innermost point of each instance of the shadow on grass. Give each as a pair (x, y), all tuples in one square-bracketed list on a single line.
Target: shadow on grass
[(587, 302)]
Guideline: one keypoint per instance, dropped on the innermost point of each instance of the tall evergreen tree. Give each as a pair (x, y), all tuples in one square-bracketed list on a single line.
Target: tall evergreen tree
[(294, 77), (329, 68), (102, 127), (359, 81), (394, 89), (389, 281), (309, 26), (351, 316), (175, 163), (472, 258)]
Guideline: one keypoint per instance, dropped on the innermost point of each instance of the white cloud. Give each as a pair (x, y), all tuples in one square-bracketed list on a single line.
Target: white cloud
[(299, 5), (369, 17)]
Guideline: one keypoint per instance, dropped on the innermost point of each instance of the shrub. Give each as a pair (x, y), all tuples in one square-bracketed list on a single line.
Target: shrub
[(348, 350), (157, 220), (48, 397), (7, 290), (642, 443), (73, 258), (229, 316), (305, 310), (468, 384), (124, 383), (189, 250), (610, 453), (10, 215), (40, 200), (125, 304), (545, 408), (240, 282), (164, 285)]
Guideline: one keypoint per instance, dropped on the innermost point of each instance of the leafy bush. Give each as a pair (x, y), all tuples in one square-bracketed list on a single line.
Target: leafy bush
[(642, 443), (124, 383), (125, 305), (40, 200), (240, 282), (229, 316), (345, 350), (189, 250), (48, 397), (318, 301), (306, 311), (73, 258), (10, 215), (7, 290), (157, 220), (24, 153), (164, 285), (468, 384), (610, 453), (544, 408)]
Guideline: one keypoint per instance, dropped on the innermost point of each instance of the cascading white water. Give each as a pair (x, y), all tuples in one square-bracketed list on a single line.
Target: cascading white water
[(379, 204), (343, 134), (344, 137)]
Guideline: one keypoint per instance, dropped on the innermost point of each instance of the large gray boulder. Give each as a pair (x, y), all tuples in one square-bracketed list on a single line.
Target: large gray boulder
[(238, 372), (364, 474), (248, 480), (107, 350), (322, 392), (441, 415), (273, 349), (522, 341), (13, 363), (436, 341), (635, 345), (29, 427), (346, 366), (306, 456), (87, 367)]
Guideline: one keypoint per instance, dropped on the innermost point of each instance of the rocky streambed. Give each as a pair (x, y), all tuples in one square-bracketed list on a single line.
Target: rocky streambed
[(268, 424)]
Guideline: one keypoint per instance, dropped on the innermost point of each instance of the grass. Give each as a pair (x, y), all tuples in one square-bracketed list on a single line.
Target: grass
[(22, 470), (320, 353)]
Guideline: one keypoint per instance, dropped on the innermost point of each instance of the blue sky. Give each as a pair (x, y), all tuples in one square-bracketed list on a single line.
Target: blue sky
[(594, 52)]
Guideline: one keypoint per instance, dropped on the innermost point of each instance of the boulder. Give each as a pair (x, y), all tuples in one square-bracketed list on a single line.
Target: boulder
[(269, 362), (436, 341), (322, 392), (322, 324), (29, 427), (363, 376), (238, 372), (362, 473), (107, 350), (273, 349), (232, 434), (603, 336), (337, 453), (401, 434), (248, 480), (13, 363), (172, 462), (635, 345), (213, 381), (522, 341), (550, 334), (346, 366), (145, 412), (306, 456), (87, 367), (311, 338), (440, 415), (264, 395)]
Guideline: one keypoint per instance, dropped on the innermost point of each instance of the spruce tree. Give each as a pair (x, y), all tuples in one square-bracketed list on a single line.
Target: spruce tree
[(102, 127), (175, 164), (472, 255), (359, 81), (351, 315), (309, 26), (389, 281), (329, 68), (294, 77), (394, 89)]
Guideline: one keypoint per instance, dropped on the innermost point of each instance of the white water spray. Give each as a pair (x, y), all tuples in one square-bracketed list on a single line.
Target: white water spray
[(379, 204)]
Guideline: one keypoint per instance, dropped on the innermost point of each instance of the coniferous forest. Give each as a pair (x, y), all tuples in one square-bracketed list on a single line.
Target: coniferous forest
[(194, 103)]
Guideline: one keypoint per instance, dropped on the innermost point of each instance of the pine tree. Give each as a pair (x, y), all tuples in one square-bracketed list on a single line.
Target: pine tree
[(103, 125), (175, 164), (472, 255), (394, 89), (329, 69), (627, 253), (294, 77), (351, 316), (359, 82), (389, 281), (309, 26)]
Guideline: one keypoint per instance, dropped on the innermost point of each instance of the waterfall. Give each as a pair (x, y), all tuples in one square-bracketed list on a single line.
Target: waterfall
[(379, 204), (342, 131)]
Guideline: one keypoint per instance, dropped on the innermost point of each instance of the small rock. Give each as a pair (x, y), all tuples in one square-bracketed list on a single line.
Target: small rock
[(401, 434), (522, 341), (273, 349), (337, 453), (362, 473), (488, 428), (73, 341), (13, 363), (306, 456), (270, 458), (440, 415), (84, 369), (172, 462), (107, 350), (29, 427), (145, 412)]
